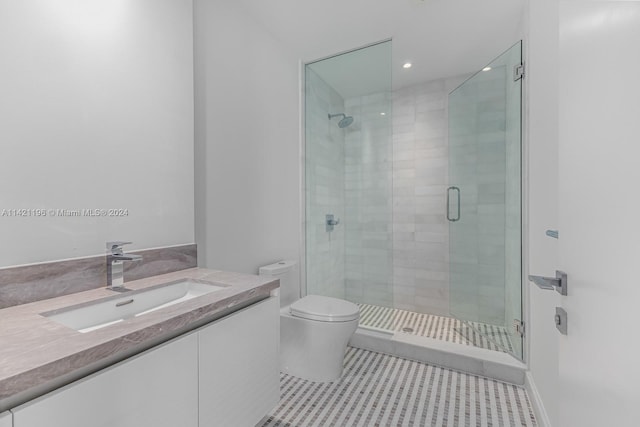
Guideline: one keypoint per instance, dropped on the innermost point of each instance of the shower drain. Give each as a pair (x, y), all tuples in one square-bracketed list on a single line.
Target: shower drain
[(407, 329)]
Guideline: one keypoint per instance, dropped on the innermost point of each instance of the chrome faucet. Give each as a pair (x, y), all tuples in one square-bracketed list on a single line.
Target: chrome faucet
[(115, 265)]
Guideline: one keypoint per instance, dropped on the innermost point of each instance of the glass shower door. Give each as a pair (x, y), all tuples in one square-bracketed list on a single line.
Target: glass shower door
[(484, 202)]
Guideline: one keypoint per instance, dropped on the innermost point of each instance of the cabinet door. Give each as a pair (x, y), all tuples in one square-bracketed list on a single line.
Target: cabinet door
[(156, 388), (239, 372), (5, 419)]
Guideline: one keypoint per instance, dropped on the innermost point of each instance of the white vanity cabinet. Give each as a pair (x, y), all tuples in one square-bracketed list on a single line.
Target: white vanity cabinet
[(6, 420), (221, 375), (239, 369), (156, 388)]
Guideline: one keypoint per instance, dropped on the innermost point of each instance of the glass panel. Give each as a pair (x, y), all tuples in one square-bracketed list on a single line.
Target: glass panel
[(484, 163), (348, 161)]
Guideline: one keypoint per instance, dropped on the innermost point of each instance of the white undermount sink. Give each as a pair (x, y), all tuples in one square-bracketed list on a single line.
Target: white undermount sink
[(96, 315)]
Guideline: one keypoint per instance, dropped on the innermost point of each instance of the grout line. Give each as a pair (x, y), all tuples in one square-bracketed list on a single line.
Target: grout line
[(379, 389)]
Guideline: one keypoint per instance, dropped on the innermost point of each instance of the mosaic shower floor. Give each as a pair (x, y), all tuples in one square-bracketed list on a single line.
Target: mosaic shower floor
[(438, 327), (382, 390)]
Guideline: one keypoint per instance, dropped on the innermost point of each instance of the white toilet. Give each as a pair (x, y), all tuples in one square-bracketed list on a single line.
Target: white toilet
[(314, 330)]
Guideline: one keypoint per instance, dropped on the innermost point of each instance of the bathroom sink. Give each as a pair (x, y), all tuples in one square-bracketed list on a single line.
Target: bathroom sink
[(96, 315)]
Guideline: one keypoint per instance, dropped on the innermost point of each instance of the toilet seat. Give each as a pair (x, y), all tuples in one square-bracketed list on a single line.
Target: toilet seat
[(325, 309)]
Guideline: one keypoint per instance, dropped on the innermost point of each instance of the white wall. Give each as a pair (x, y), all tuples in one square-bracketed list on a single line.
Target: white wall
[(541, 86), (247, 142), (96, 112)]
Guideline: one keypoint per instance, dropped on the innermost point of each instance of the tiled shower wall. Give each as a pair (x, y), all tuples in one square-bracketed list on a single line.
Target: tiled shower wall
[(421, 238), (324, 183), (399, 178), (368, 191), (478, 167), (386, 177)]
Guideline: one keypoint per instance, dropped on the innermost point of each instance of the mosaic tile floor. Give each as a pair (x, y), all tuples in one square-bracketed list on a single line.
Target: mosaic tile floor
[(438, 327), (382, 390)]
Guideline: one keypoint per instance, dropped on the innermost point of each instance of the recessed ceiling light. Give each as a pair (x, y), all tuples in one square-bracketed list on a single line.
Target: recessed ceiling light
[(407, 65), (486, 69), (383, 114)]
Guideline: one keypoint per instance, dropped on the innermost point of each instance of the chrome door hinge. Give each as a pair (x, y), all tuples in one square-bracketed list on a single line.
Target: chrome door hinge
[(518, 72), (518, 327)]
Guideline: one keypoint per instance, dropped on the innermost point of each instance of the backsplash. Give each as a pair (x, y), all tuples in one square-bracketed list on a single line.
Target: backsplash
[(25, 284)]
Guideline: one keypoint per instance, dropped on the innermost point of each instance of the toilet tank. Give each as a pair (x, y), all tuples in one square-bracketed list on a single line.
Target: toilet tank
[(287, 272)]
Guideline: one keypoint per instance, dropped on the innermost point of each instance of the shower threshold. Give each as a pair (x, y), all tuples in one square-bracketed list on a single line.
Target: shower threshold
[(443, 328), (439, 340)]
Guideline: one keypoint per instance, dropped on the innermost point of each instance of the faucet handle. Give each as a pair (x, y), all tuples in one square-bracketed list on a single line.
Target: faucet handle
[(116, 247)]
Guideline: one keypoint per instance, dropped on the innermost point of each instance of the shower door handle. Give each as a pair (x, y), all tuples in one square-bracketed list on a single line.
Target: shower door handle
[(457, 217)]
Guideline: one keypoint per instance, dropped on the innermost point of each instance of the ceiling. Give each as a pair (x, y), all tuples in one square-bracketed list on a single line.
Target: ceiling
[(441, 38)]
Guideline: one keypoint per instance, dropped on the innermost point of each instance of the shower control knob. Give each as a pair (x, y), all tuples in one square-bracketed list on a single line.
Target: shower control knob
[(331, 222)]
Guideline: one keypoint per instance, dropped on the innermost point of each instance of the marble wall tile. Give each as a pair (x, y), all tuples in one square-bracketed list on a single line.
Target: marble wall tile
[(420, 156), (328, 179), (391, 180)]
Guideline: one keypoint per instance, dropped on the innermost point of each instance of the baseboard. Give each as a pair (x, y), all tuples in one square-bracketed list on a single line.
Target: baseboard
[(536, 401)]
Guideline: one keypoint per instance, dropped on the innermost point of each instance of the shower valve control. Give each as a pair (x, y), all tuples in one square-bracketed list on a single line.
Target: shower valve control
[(331, 222)]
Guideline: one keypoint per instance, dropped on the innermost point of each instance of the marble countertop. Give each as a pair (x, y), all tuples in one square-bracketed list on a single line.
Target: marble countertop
[(38, 355)]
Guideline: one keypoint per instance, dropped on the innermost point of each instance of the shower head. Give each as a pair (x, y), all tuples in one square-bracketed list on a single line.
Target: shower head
[(346, 120)]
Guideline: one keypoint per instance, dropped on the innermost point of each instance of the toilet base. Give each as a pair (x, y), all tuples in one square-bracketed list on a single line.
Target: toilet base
[(313, 350)]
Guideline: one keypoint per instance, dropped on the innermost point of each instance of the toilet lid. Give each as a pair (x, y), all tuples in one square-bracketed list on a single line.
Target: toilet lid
[(325, 309)]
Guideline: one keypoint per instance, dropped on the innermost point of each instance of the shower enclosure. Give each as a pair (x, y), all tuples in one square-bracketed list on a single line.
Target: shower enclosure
[(413, 196)]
